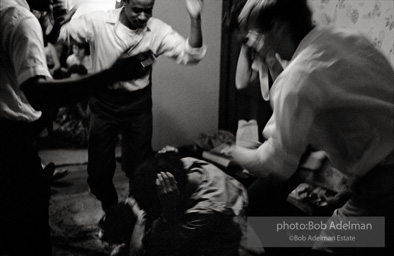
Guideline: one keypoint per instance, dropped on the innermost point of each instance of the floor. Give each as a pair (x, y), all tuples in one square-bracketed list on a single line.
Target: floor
[(74, 212)]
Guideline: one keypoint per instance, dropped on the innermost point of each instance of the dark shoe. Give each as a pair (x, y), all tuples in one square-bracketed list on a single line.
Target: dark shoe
[(49, 170)]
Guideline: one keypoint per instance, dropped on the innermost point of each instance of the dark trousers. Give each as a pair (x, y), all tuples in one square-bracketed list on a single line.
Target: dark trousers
[(24, 193), (127, 113), (267, 197)]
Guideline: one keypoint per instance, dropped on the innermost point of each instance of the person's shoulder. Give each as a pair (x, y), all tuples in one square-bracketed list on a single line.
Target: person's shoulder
[(94, 15), (12, 12), (155, 24), (19, 20)]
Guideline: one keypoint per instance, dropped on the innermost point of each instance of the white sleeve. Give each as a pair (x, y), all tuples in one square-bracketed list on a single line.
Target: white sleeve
[(80, 29), (177, 47), (287, 131), (27, 50)]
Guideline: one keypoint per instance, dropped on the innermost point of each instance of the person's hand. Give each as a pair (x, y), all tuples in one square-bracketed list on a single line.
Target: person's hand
[(195, 8), (254, 40), (127, 68), (59, 22), (119, 249), (168, 192), (140, 214), (64, 19), (167, 149), (227, 150)]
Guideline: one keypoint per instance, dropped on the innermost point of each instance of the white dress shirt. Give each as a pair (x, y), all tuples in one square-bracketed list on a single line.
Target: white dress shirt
[(109, 39), (22, 57), (336, 95)]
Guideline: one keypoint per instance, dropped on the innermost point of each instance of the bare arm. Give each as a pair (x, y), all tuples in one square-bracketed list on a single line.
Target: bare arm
[(139, 227), (195, 7), (55, 57), (244, 73), (43, 93)]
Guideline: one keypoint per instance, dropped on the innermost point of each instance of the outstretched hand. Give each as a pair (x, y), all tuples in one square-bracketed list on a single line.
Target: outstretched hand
[(128, 68), (138, 212), (168, 192), (59, 22), (195, 8), (167, 149)]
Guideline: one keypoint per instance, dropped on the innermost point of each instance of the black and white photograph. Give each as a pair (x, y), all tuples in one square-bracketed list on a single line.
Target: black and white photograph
[(196, 127)]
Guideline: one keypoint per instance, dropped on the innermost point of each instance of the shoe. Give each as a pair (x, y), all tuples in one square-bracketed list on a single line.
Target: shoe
[(49, 170), (58, 174)]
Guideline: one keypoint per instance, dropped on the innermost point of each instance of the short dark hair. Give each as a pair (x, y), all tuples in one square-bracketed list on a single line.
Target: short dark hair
[(118, 224), (77, 69), (84, 46), (143, 184), (296, 13)]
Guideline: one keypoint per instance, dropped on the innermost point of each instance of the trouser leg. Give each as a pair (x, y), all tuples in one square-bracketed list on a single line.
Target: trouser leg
[(24, 198), (136, 141), (103, 136), (267, 197), (117, 109)]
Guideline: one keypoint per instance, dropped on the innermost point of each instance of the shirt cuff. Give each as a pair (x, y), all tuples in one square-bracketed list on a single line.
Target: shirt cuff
[(33, 72), (197, 53)]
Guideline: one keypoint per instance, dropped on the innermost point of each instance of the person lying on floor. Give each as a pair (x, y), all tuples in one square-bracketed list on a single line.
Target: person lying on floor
[(182, 206)]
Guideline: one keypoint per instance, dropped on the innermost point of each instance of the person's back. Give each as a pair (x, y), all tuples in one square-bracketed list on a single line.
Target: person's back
[(351, 85), (217, 205), (206, 219)]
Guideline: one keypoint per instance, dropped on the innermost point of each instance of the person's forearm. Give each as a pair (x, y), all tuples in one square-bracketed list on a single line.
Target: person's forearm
[(55, 56), (195, 38), (244, 71), (43, 93), (136, 239), (55, 93), (248, 159)]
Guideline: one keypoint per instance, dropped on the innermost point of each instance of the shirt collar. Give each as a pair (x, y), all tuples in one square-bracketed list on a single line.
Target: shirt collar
[(310, 37), (113, 18)]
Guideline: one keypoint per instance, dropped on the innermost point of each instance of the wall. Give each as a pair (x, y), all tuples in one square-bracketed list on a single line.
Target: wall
[(185, 98), (374, 18)]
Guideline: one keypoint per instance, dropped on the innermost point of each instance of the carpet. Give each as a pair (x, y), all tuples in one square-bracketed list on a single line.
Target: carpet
[(67, 157), (74, 213)]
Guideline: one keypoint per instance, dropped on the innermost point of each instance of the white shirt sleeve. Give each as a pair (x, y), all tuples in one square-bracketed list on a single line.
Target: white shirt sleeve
[(27, 51), (175, 46), (80, 29), (287, 131)]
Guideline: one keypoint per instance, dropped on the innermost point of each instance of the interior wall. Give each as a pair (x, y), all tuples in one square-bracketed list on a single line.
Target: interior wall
[(373, 18), (186, 98)]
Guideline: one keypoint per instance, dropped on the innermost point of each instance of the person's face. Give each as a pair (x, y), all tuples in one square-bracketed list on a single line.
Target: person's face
[(275, 39), (78, 52), (138, 12), (40, 5)]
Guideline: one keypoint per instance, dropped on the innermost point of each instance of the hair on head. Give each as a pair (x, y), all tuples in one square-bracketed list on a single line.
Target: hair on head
[(296, 13), (84, 46), (118, 224), (143, 187), (77, 69)]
